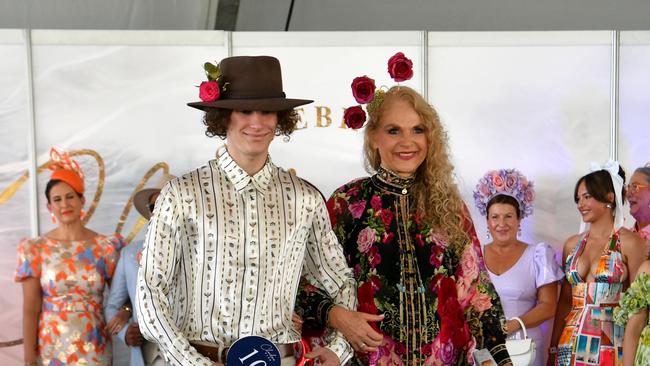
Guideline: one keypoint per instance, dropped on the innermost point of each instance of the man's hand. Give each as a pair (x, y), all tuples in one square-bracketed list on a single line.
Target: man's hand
[(297, 322), (355, 327), (326, 356), (118, 321), (133, 337)]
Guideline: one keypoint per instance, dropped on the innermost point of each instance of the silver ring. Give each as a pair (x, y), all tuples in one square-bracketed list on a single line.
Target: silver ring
[(363, 345)]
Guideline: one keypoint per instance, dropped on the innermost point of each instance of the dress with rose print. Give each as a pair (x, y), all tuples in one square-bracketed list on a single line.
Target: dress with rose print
[(71, 327), (590, 336), (633, 300), (438, 301)]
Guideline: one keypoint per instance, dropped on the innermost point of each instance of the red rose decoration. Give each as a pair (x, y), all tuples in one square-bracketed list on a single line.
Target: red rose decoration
[(387, 237), (354, 117), (363, 89), (335, 206), (366, 296), (386, 217), (209, 91), (400, 68), (452, 320)]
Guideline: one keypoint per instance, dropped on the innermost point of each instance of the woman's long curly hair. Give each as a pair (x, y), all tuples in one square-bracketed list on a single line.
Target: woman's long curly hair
[(437, 197)]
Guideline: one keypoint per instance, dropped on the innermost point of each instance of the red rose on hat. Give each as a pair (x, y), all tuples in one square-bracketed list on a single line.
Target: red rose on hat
[(209, 91), (363, 89), (354, 117), (400, 67)]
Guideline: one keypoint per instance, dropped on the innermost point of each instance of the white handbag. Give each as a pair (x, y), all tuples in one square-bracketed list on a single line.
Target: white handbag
[(522, 351)]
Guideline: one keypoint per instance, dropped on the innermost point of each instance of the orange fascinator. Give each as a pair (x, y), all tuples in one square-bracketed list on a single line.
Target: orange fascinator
[(66, 170)]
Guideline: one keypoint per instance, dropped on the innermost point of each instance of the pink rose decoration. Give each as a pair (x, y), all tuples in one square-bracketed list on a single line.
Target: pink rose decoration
[(357, 208), (209, 91), (469, 264), (363, 89), (484, 190), (354, 117), (388, 353), (523, 181), (498, 182), (366, 239), (481, 302), (438, 238), (530, 195), (511, 182), (400, 67), (465, 293), (470, 349), (446, 353)]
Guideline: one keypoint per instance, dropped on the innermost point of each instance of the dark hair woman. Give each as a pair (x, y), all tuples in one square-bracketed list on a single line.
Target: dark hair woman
[(63, 274)]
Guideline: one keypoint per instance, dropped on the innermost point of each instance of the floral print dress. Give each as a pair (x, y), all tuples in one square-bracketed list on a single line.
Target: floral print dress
[(71, 326), (590, 336), (635, 299), (438, 301)]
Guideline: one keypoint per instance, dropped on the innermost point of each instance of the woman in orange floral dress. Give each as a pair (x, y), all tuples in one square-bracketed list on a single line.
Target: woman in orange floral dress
[(63, 274)]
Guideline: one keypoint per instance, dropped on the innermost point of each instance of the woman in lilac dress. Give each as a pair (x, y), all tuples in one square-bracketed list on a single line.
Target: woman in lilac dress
[(525, 276)]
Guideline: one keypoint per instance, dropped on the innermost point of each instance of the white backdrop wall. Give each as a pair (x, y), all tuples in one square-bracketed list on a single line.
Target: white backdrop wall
[(537, 101)]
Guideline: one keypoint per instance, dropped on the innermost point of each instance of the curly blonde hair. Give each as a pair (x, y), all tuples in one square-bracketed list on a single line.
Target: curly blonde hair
[(437, 197)]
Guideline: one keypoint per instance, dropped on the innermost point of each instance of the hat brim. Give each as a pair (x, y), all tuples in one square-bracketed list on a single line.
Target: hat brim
[(141, 201), (267, 104)]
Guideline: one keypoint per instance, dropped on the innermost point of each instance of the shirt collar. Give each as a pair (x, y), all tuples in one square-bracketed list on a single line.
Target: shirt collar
[(238, 176)]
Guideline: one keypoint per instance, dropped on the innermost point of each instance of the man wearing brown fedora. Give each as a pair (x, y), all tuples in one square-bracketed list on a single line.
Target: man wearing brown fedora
[(228, 242), (123, 321)]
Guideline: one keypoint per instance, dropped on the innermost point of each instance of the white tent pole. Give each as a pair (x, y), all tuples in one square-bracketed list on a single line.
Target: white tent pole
[(614, 95), (31, 138)]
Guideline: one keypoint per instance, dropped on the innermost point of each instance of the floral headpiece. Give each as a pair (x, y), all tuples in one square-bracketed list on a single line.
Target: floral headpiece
[(67, 170), (509, 182), (400, 68), (211, 90)]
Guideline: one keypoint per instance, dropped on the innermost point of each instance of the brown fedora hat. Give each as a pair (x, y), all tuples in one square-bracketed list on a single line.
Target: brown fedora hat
[(141, 198), (252, 83)]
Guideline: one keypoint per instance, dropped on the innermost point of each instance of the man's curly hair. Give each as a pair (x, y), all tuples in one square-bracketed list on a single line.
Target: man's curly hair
[(216, 120)]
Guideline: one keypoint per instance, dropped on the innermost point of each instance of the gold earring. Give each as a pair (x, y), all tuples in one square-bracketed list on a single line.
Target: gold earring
[(52, 218)]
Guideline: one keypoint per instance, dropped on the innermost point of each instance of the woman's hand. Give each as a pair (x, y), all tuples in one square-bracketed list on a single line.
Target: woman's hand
[(512, 326), (297, 322), (118, 321), (326, 356), (356, 328)]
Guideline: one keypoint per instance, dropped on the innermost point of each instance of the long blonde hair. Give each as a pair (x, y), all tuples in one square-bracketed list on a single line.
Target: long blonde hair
[(437, 197)]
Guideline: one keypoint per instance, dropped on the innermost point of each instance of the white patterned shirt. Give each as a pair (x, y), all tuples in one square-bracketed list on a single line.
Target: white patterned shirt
[(223, 257)]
